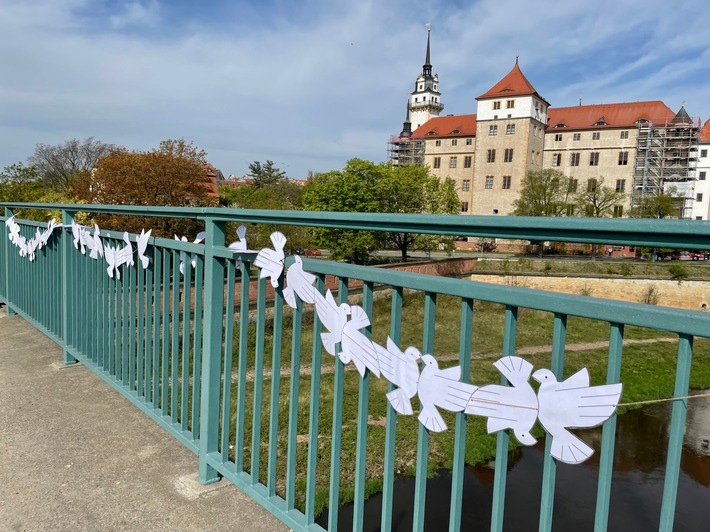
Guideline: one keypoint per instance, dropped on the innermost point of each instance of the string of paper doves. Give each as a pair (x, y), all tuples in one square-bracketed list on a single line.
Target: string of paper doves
[(559, 406)]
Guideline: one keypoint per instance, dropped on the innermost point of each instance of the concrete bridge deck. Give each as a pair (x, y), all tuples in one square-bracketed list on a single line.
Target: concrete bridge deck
[(75, 455)]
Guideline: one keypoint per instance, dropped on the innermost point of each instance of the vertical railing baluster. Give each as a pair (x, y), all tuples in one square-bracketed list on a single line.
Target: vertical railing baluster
[(275, 389), (150, 310), (459, 458), (313, 412), (291, 463), (197, 348), (8, 298), (67, 218), (132, 317), (175, 336), (140, 322), (362, 425), (228, 348), (165, 351), (125, 279), (510, 327), (676, 432), (258, 379), (606, 457), (242, 370), (158, 289), (423, 434), (212, 350), (559, 335), (391, 419), (186, 313), (337, 424)]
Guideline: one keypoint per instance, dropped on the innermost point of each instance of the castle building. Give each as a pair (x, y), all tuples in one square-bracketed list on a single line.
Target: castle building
[(638, 148)]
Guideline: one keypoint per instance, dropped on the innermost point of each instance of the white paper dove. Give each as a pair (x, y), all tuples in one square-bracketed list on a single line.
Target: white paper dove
[(125, 254), (402, 370), (441, 388), (142, 244), (14, 228), (299, 281), (110, 256), (79, 238), (47, 233), (572, 403), (94, 243), (508, 407), (193, 258), (271, 261), (355, 346), (241, 244), (333, 317)]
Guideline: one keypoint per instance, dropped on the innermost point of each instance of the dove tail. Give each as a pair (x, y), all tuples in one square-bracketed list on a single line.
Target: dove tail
[(400, 402), (570, 449), (289, 296), (431, 419)]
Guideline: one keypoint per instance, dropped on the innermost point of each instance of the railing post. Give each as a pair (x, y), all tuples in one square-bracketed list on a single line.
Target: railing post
[(67, 219), (211, 350), (6, 265)]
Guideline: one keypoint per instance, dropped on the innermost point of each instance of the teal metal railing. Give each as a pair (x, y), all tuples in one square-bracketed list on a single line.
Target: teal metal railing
[(219, 361)]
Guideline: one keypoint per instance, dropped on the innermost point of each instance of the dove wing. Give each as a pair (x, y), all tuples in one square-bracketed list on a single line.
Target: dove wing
[(451, 394), (517, 370), (279, 241), (329, 313), (568, 448), (360, 348), (587, 406), (269, 263), (504, 406), (400, 369)]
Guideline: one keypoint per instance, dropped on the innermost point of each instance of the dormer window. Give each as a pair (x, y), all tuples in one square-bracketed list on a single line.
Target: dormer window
[(600, 122), (641, 121), (455, 131), (560, 125)]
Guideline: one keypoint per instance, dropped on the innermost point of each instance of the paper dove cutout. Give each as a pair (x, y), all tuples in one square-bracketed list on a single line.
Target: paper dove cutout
[(572, 403), (110, 256), (441, 388), (94, 243), (80, 238), (271, 261), (193, 259), (125, 254), (333, 317), (355, 346), (142, 244), (402, 370), (508, 407), (299, 281), (14, 227), (241, 244)]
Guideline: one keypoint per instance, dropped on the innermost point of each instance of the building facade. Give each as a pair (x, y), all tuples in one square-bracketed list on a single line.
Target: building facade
[(638, 148)]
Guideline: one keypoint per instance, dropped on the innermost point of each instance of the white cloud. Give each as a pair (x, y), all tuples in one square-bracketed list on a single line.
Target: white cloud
[(313, 89)]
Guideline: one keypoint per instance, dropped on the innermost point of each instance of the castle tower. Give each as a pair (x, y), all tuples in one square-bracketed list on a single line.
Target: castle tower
[(510, 135), (425, 101)]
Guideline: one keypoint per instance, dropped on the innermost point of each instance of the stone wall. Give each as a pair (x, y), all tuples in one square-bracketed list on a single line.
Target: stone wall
[(688, 294)]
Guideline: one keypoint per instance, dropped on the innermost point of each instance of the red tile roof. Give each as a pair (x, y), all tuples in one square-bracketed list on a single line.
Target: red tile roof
[(514, 83), (447, 126), (704, 133), (608, 115)]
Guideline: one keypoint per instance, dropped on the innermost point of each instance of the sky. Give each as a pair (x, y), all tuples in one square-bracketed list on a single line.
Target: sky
[(310, 84)]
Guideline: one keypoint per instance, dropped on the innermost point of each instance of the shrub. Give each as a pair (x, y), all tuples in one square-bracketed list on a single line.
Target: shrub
[(650, 295), (678, 272)]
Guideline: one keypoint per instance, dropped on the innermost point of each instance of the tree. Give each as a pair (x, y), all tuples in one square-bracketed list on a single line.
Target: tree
[(58, 165), (598, 201), (171, 175), (364, 186), (266, 175), (657, 206), (544, 193), (412, 189)]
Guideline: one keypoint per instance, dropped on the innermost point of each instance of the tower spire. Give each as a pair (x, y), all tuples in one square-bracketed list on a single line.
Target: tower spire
[(427, 61), (406, 126)]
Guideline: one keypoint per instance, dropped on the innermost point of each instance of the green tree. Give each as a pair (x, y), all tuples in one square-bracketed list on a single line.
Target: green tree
[(266, 175), (598, 201), (364, 186), (58, 165), (657, 206), (544, 193), (412, 189)]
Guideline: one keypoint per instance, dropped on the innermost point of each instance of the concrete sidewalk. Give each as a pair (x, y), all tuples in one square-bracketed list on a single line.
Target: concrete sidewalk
[(75, 455)]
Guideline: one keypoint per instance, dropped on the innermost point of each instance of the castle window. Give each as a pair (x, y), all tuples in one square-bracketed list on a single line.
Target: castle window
[(572, 187), (506, 182), (699, 197), (594, 158), (701, 176), (491, 158), (596, 135), (437, 142), (467, 161), (452, 162), (592, 185), (454, 142), (556, 159), (469, 142), (703, 153), (623, 158), (437, 162), (464, 206), (496, 105), (618, 211), (510, 129), (508, 156), (466, 186), (510, 104), (489, 181), (576, 136), (621, 185), (492, 130), (624, 135), (558, 137), (574, 159)]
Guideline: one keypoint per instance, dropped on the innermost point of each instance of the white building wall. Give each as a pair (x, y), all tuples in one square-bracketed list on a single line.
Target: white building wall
[(525, 107), (701, 205)]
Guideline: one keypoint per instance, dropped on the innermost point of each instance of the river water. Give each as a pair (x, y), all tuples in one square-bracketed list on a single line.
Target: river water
[(637, 485)]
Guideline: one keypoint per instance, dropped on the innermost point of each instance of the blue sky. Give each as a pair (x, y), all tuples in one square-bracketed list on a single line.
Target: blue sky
[(311, 84)]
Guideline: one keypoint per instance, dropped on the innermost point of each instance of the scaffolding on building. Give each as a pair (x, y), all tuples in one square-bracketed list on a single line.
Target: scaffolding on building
[(405, 150), (666, 162)]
